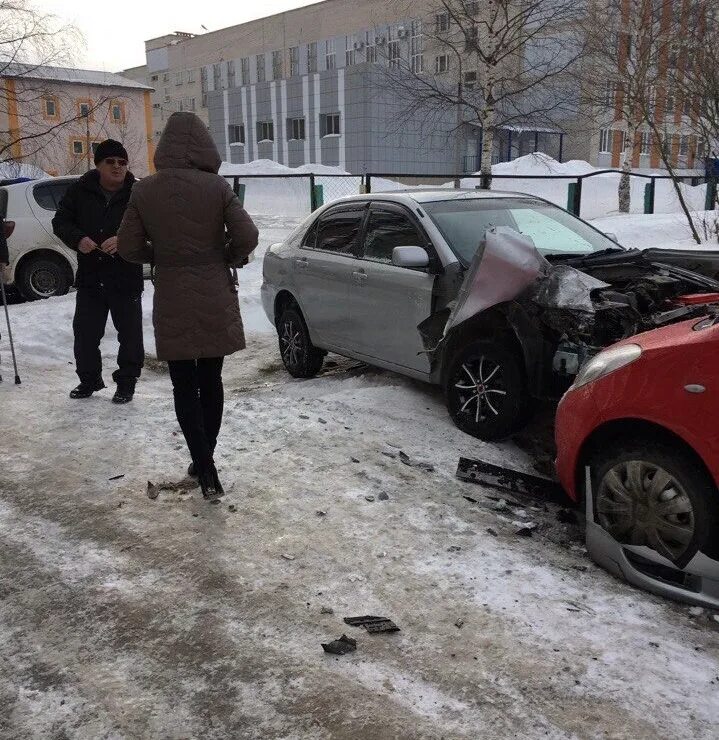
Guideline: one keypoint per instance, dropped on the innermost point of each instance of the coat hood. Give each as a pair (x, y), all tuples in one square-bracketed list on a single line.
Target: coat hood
[(186, 144)]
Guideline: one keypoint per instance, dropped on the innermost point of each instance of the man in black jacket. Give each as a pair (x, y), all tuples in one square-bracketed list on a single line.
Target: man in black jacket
[(87, 221)]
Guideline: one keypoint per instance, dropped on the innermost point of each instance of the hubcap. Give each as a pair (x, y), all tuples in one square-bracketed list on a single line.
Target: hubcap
[(44, 282), (481, 389), (640, 503), (291, 344)]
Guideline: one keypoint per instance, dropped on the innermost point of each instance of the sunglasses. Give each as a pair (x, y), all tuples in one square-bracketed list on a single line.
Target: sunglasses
[(112, 161)]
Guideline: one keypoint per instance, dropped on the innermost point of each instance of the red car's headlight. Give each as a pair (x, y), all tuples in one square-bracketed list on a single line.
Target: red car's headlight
[(607, 362)]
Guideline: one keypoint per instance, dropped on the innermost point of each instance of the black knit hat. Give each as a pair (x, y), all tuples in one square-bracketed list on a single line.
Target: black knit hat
[(110, 148)]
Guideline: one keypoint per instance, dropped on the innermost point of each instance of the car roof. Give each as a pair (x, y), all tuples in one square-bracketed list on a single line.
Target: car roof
[(429, 195)]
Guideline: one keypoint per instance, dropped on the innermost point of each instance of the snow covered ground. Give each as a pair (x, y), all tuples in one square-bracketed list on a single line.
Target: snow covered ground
[(126, 617)]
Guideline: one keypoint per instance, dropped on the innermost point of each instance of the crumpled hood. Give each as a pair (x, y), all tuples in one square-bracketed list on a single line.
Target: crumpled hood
[(186, 144)]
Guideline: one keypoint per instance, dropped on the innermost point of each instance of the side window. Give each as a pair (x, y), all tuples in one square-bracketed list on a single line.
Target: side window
[(387, 230), (338, 231), (58, 191), (43, 197)]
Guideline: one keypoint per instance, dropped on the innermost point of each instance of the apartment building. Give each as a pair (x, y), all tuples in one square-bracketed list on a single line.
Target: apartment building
[(55, 117)]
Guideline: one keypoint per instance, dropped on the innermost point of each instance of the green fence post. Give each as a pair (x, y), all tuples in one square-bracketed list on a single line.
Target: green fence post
[(318, 196), (711, 194), (241, 193), (571, 190), (368, 183), (649, 190)]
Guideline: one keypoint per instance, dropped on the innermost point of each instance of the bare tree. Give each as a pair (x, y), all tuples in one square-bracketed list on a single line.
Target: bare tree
[(495, 65), (31, 41)]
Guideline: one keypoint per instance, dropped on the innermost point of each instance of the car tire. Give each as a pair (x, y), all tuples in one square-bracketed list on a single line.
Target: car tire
[(299, 356), (493, 406), (43, 277), (676, 517)]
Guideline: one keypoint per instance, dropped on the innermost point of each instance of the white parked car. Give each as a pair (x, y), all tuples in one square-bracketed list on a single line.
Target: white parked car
[(41, 266)]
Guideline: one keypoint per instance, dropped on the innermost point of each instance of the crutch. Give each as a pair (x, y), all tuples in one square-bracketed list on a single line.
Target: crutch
[(9, 330)]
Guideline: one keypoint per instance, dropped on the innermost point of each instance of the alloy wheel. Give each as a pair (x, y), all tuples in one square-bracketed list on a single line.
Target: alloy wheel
[(640, 503), (44, 282), (481, 389), (291, 344)]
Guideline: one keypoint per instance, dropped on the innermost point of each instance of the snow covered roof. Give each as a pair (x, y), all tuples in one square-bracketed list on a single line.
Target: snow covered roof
[(69, 74)]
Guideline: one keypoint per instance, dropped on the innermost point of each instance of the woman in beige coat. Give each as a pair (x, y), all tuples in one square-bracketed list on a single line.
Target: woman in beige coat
[(197, 230)]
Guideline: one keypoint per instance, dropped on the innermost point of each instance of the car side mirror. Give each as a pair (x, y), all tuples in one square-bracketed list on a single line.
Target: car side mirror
[(612, 236), (410, 257)]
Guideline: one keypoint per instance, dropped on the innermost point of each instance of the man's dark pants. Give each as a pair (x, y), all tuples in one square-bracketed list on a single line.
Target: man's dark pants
[(91, 309)]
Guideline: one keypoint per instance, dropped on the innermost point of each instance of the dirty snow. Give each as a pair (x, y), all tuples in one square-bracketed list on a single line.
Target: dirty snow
[(125, 617)]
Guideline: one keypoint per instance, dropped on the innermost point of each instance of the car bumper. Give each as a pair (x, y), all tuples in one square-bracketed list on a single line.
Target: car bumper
[(268, 294), (576, 418)]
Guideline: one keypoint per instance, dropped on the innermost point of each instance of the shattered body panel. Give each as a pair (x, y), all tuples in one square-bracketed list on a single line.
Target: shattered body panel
[(563, 310)]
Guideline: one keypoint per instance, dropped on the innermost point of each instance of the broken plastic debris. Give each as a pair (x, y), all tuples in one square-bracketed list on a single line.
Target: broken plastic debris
[(384, 496), (459, 623), (327, 610), (117, 477), (369, 498), (407, 460), (484, 473), (340, 647), (153, 491), (287, 556), (372, 624)]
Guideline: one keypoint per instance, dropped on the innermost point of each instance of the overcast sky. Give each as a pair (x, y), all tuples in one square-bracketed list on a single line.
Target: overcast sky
[(115, 30)]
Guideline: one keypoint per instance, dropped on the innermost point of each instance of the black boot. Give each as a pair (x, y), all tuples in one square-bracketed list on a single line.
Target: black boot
[(125, 391), (191, 470), (85, 389), (210, 484)]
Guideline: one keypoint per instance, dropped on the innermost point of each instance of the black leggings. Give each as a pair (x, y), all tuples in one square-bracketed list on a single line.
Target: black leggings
[(199, 402)]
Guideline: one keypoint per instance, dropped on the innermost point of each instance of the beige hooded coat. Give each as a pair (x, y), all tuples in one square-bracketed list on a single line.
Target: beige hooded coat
[(197, 230)]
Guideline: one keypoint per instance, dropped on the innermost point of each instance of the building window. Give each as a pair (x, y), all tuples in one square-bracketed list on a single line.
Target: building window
[(350, 56), (394, 53), (371, 53), (236, 133), (470, 80), (178, 78), (441, 22), (154, 78), (330, 124), (217, 76), (700, 150), (203, 86), (190, 76), (277, 71), (670, 103), (260, 59), (231, 73), (683, 145), (441, 64), (312, 57), (166, 77), (245, 71), (294, 61), (117, 113), (265, 131), (84, 109), (605, 140), (51, 109), (330, 60), (78, 147), (416, 48), (94, 146), (610, 92), (296, 129), (646, 145)]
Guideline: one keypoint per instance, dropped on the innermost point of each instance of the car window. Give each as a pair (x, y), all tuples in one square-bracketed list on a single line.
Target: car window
[(387, 230), (338, 231), (463, 223), (549, 234), (44, 197), (58, 191)]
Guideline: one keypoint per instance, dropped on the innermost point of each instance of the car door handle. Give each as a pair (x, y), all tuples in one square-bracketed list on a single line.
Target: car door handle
[(359, 276), (302, 262)]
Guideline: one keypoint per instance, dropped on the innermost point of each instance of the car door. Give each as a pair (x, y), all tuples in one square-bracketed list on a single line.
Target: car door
[(388, 302), (323, 271)]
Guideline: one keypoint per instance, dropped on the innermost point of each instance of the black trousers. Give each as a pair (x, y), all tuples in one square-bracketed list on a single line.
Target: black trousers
[(199, 403), (92, 306)]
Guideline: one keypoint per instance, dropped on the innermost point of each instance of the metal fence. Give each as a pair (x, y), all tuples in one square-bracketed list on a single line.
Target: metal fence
[(591, 195)]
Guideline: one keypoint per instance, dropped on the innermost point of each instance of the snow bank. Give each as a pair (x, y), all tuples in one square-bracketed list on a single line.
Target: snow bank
[(12, 170)]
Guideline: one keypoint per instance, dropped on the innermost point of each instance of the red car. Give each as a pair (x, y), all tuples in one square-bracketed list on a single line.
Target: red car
[(638, 440)]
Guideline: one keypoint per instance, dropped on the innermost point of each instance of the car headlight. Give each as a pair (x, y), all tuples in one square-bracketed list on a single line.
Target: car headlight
[(607, 362)]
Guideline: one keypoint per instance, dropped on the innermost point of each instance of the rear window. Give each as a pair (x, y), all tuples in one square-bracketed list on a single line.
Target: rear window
[(49, 194)]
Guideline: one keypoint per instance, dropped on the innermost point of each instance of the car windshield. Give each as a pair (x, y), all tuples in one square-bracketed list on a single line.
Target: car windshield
[(554, 231)]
